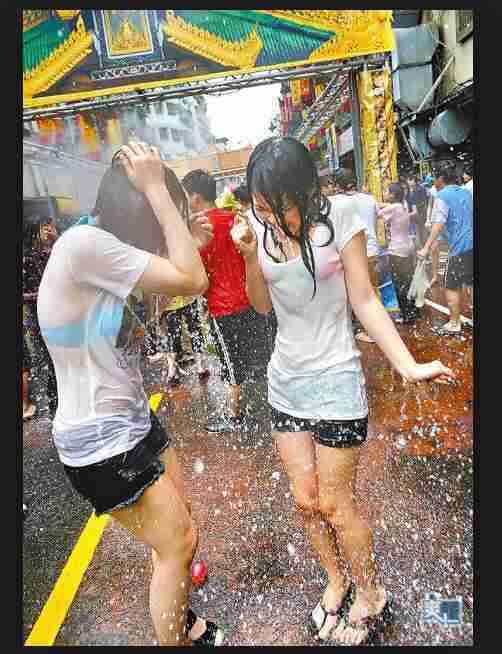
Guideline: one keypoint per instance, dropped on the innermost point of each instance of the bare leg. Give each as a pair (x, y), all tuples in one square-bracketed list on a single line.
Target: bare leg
[(297, 453), (337, 475), (453, 302), (160, 519), (234, 399), (435, 262)]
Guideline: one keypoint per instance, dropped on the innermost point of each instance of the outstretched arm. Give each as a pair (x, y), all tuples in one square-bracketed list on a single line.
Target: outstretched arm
[(377, 322)]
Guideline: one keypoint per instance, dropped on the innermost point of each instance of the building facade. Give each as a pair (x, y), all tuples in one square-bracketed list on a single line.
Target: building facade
[(433, 75)]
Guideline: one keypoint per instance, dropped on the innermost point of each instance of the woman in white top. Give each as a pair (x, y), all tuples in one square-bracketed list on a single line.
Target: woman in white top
[(92, 317), (302, 255)]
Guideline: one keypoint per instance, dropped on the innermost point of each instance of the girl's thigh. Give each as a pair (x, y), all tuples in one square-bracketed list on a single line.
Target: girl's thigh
[(160, 517), (297, 453), (337, 470)]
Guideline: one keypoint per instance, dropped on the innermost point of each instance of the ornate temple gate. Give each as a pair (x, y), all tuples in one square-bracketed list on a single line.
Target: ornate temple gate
[(87, 62)]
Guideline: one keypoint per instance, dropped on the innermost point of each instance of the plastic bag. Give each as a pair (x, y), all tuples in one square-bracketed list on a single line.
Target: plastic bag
[(419, 284)]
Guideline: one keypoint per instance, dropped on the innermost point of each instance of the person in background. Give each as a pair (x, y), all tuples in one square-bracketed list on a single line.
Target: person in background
[(175, 312), (467, 178), (39, 235), (453, 210), (434, 249), (367, 208), (242, 196), (28, 407), (233, 321), (417, 200), (326, 185), (400, 247)]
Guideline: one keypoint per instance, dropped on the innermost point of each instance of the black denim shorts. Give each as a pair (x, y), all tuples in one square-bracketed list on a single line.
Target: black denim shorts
[(330, 433), (120, 480)]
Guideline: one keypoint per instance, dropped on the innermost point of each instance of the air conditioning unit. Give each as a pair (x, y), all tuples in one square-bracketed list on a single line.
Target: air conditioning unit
[(450, 127), (411, 65)]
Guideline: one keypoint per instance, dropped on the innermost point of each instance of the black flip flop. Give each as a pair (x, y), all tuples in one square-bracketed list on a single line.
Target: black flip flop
[(342, 610), (212, 636), (375, 624)]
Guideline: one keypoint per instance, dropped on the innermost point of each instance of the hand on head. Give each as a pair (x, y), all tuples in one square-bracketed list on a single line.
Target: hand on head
[(142, 164)]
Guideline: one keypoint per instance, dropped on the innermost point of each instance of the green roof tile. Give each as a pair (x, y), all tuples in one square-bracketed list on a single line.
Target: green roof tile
[(282, 40), (40, 41)]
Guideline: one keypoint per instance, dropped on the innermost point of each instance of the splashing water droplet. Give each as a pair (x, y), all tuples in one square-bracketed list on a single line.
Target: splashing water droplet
[(198, 466)]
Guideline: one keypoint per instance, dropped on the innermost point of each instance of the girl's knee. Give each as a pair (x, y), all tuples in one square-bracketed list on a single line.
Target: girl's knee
[(307, 500), (339, 514)]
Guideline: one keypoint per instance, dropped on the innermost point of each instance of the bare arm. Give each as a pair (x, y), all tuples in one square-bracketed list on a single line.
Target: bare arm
[(375, 319), (183, 273), (246, 242), (256, 287), (435, 231)]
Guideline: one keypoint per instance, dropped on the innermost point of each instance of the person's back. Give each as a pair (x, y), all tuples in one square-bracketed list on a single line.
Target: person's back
[(459, 223), (225, 267), (397, 218)]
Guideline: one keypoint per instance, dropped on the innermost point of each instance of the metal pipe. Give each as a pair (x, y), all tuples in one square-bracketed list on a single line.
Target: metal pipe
[(200, 87), (435, 85)]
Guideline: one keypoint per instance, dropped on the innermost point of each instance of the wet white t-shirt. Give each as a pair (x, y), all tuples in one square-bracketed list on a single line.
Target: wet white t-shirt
[(94, 340), (368, 209), (315, 370)]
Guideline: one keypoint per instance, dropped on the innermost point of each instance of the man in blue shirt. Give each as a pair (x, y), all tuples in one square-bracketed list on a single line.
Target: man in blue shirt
[(453, 209)]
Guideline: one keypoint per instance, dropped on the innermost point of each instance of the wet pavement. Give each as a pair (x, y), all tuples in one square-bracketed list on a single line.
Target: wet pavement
[(414, 484)]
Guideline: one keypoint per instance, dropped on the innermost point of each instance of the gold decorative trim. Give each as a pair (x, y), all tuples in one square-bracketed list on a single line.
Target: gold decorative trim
[(240, 54), (33, 17), (67, 14), (358, 35), (63, 59), (331, 20)]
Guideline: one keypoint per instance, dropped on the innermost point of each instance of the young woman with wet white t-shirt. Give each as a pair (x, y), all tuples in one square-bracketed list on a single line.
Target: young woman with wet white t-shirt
[(91, 309), (307, 261)]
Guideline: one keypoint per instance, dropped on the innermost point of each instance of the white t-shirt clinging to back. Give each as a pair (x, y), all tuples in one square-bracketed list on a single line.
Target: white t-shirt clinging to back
[(94, 340)]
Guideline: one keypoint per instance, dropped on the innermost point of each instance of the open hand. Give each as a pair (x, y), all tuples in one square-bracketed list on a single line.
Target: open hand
[(433, 371), (244, 237), (201, 229), (143, 165)]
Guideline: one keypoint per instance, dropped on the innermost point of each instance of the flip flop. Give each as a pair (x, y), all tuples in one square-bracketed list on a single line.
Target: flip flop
[(314, 628), (374, 625), (211, 637), (363, 337)]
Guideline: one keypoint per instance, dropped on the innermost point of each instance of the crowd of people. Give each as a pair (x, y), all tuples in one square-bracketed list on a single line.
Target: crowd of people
[(306, 250)]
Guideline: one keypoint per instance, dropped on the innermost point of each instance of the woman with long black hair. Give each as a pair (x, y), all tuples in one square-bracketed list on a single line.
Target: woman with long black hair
[(307, 260), (91, 310)]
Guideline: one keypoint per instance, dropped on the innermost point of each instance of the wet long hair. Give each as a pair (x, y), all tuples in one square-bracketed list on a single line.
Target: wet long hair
[(125, 212), (282, 171)]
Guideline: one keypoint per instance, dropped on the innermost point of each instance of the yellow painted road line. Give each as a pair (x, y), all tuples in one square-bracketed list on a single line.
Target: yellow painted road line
[(46, 628)]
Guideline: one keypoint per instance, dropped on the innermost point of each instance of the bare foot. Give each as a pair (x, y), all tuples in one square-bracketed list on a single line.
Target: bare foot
[(366, 605), (331, 602)]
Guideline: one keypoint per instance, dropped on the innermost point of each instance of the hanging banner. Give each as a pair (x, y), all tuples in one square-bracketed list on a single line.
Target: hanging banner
[(296, 94), (78, 54), (377, 130), (319, 89)]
